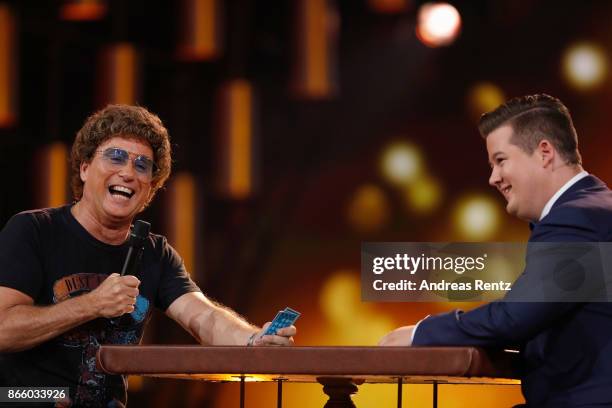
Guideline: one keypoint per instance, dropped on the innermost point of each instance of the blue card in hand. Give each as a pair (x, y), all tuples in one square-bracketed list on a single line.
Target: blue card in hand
[(284, 318)]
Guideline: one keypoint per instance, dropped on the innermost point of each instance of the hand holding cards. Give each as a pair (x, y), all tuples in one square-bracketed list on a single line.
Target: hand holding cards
[(269, 336), (284, 318)]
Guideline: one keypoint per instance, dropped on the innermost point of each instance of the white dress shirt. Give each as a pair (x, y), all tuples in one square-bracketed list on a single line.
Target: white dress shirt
[(560, 191)]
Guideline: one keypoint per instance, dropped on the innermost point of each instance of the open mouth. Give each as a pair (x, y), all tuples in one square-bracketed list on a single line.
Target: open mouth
[(506, 190), (120, 191)]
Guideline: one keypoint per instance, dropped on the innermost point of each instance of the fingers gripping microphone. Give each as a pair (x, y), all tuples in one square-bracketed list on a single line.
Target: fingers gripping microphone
[(138, 235)]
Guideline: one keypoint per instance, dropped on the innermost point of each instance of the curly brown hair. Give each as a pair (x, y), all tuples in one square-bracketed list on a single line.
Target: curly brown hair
[(130, 122)]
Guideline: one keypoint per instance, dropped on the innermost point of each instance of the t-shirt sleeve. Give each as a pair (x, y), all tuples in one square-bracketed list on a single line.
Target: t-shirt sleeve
[(20, 255), (175, 280)]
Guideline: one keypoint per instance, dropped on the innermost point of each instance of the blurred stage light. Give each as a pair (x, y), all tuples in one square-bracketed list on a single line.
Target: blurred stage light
[(389, 6), (8, 66), (347, 315), (200, 30), (423, 195), (585, 66), (476, 218), (83, 10), (181, 218), (484, 97), (315, 63), (52, 175), (369, 209), (506, 269), (118, 78), (339, 295), (237, 167), (401, 163), (438, 24)]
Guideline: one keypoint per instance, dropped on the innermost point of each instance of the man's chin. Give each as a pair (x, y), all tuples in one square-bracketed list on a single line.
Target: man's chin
[(510, 209), (119, 214), (516, 213)]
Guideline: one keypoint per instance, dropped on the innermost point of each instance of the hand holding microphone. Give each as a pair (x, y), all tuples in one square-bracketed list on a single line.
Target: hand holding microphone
[(117, 295)]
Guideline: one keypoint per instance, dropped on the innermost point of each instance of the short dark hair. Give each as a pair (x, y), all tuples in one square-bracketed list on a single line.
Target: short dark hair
[(130, 122), (534, 118)]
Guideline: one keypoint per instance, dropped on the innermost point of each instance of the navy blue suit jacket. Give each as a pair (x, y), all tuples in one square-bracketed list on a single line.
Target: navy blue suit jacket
[(566, 348)]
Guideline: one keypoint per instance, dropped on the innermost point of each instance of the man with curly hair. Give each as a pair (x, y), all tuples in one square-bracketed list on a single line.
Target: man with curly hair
[(60, 293)]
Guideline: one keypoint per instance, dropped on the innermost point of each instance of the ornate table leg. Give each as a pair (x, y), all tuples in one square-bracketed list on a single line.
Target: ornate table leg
[(339, 391)]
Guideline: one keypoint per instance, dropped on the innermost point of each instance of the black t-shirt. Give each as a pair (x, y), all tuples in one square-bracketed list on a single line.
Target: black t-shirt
[(49, 256)]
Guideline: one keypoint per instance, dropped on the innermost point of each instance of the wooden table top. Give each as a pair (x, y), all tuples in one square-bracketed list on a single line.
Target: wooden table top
[(307, 364)]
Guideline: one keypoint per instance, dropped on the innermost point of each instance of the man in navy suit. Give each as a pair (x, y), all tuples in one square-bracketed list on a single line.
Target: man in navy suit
[(566, 347)]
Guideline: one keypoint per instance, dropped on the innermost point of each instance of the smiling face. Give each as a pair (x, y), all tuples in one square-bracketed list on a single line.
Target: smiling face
[(115, 194), (520, 177)]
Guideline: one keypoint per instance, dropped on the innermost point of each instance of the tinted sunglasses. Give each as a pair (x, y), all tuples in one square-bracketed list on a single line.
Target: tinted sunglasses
[(118, 158)]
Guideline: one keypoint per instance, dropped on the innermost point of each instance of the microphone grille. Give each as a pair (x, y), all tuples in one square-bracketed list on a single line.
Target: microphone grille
[(141, 230)]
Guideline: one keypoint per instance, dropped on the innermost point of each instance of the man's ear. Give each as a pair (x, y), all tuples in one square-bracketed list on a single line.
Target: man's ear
[(83, 171), (546, 152)]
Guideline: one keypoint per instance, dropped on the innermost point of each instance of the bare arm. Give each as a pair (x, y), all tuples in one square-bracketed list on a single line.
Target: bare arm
[(213, 324), (24, 325)]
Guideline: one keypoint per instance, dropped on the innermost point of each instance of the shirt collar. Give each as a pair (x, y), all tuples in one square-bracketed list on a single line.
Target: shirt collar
[(562, 190)]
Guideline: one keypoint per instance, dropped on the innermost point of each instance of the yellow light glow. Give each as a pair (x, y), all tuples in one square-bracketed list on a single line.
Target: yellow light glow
[(484, 97), (438, 24), (585, 66), (340, 302), (368, 209), (200, 29), (240, 134), (57, 174), (118, 74), (505, 269), (314, 66), (401, 163), (477, 218), (236, 140), (124, 74), (51, 182), (247, 378), (339, 295), (423, 195), (183, 212)]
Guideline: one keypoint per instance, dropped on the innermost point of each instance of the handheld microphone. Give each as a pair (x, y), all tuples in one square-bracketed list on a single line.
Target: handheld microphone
[(138, 235)]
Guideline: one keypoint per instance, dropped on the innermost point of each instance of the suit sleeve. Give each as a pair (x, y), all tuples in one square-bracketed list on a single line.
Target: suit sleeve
[(509, 323)]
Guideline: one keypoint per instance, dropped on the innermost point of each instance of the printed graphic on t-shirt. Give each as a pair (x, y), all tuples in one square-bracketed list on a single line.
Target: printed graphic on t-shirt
[(87, 338)]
